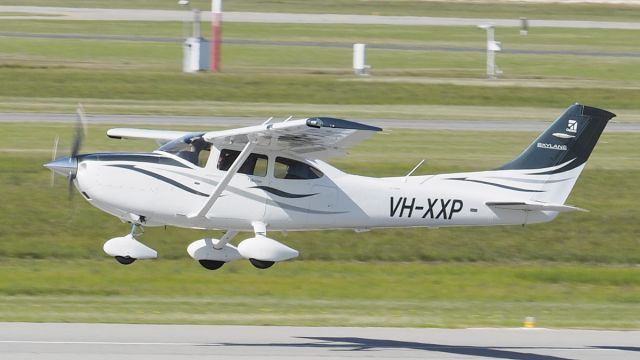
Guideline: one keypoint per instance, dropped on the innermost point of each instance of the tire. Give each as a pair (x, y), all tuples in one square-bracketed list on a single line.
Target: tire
[(125, 260), (261, 264), (211, 264)]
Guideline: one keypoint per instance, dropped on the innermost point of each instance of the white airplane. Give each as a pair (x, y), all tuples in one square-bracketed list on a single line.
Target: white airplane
[(270, 177)]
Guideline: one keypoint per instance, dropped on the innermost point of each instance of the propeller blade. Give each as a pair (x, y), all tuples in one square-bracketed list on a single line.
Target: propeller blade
[(81, 131), (54, 154)]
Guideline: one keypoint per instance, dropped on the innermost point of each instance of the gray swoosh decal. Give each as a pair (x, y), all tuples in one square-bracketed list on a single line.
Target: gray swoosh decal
[(530, 181), (496, 185), (162, 178)]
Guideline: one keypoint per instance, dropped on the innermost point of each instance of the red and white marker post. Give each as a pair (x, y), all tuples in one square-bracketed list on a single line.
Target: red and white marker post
[(216, 22)]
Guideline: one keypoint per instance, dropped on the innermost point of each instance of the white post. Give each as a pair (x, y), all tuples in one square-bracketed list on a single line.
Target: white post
[(491, 55), (492, 47), (359, 58)]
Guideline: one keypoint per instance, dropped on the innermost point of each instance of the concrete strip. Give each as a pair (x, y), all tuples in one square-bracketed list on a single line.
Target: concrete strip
[(108, 341), (224, 121), (180, 15)]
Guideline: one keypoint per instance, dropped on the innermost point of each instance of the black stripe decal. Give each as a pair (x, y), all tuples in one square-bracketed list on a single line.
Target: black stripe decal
[(283, 194), (497, 185), (162, 178), (570, 166)]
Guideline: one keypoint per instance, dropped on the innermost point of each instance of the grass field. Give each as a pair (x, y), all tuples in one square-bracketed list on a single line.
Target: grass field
[(41, 71), (320, 294), (603, 40), (476, 9), (578, 271)]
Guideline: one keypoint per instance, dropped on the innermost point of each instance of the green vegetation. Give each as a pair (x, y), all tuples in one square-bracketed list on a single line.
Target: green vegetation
[(578, 271), (475, 9), (291, 78), (320, 293), (604, 40), (287, 88)]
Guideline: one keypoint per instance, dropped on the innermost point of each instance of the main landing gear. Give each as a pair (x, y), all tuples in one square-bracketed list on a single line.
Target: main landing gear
[(261, 251)]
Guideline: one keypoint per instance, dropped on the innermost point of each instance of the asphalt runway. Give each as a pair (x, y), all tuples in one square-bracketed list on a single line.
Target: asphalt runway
[(61, 13), (226, 121), (110, 341)]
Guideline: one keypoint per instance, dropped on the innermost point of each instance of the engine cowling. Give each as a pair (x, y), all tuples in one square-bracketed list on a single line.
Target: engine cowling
[(203, 249), (266, 249), (128, 246)]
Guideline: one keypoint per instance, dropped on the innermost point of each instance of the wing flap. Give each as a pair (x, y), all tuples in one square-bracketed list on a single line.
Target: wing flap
[(533, 206)]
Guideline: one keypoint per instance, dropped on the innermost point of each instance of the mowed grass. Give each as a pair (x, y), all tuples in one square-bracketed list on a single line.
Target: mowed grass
[(578, 271), (474, 9), (289, 88), (602, 40), (36, 222), (150, 71), (320, 294)]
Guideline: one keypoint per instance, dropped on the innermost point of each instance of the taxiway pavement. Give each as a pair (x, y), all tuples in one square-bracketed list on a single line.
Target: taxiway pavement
[(140, 342), (62, 13), (226, 121)]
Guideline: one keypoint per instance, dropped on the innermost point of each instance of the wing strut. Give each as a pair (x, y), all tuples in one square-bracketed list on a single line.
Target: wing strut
[(225, 180)]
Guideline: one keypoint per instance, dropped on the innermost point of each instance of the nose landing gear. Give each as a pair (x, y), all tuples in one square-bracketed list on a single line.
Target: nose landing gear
[(128, 249)]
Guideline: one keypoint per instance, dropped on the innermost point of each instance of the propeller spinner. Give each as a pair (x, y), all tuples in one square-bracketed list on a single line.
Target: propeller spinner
[(68, 166)]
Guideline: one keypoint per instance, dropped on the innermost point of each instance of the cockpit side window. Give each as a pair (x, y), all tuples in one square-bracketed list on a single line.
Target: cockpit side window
[(191, 148), (294, 170), (256, 164)]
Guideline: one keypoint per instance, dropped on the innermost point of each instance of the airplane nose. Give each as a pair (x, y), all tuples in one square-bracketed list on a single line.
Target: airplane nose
[(67, 166)]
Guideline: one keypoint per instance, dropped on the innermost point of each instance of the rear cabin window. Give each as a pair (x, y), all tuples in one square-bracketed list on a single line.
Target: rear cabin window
[(256, 164), (294, 170)]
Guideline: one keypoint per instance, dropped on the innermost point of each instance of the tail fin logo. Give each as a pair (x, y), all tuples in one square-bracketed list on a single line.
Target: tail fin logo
[(572, 126)]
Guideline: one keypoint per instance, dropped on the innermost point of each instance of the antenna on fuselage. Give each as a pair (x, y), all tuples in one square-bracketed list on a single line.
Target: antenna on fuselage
[(406, 177)]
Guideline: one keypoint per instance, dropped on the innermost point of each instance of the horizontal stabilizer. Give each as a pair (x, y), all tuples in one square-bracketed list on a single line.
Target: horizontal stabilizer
[(533, 206)]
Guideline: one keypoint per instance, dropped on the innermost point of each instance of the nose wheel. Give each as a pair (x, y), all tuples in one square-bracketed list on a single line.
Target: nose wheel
[(127, 249)]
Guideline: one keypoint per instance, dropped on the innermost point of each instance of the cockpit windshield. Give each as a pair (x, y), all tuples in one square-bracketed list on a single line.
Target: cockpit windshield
[(190, 147)]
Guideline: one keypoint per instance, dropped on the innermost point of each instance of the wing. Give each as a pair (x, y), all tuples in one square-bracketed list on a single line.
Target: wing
[(317, 137), (161, 136)]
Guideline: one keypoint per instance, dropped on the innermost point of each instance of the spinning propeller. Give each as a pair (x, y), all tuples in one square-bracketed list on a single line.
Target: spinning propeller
[(68, 166)]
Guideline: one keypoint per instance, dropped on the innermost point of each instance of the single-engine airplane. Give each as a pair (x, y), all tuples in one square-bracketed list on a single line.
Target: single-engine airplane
[(270, 177)]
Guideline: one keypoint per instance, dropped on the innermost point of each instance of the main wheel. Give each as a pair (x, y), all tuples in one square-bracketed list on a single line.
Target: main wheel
[(211, 264), (261, 264), (125, 260)]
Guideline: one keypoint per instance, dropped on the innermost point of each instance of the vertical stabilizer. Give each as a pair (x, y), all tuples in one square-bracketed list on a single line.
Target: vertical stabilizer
[(559, 154), (570, 139)]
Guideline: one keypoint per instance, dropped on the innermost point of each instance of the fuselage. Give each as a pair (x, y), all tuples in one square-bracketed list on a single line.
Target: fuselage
[(163, 189)]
